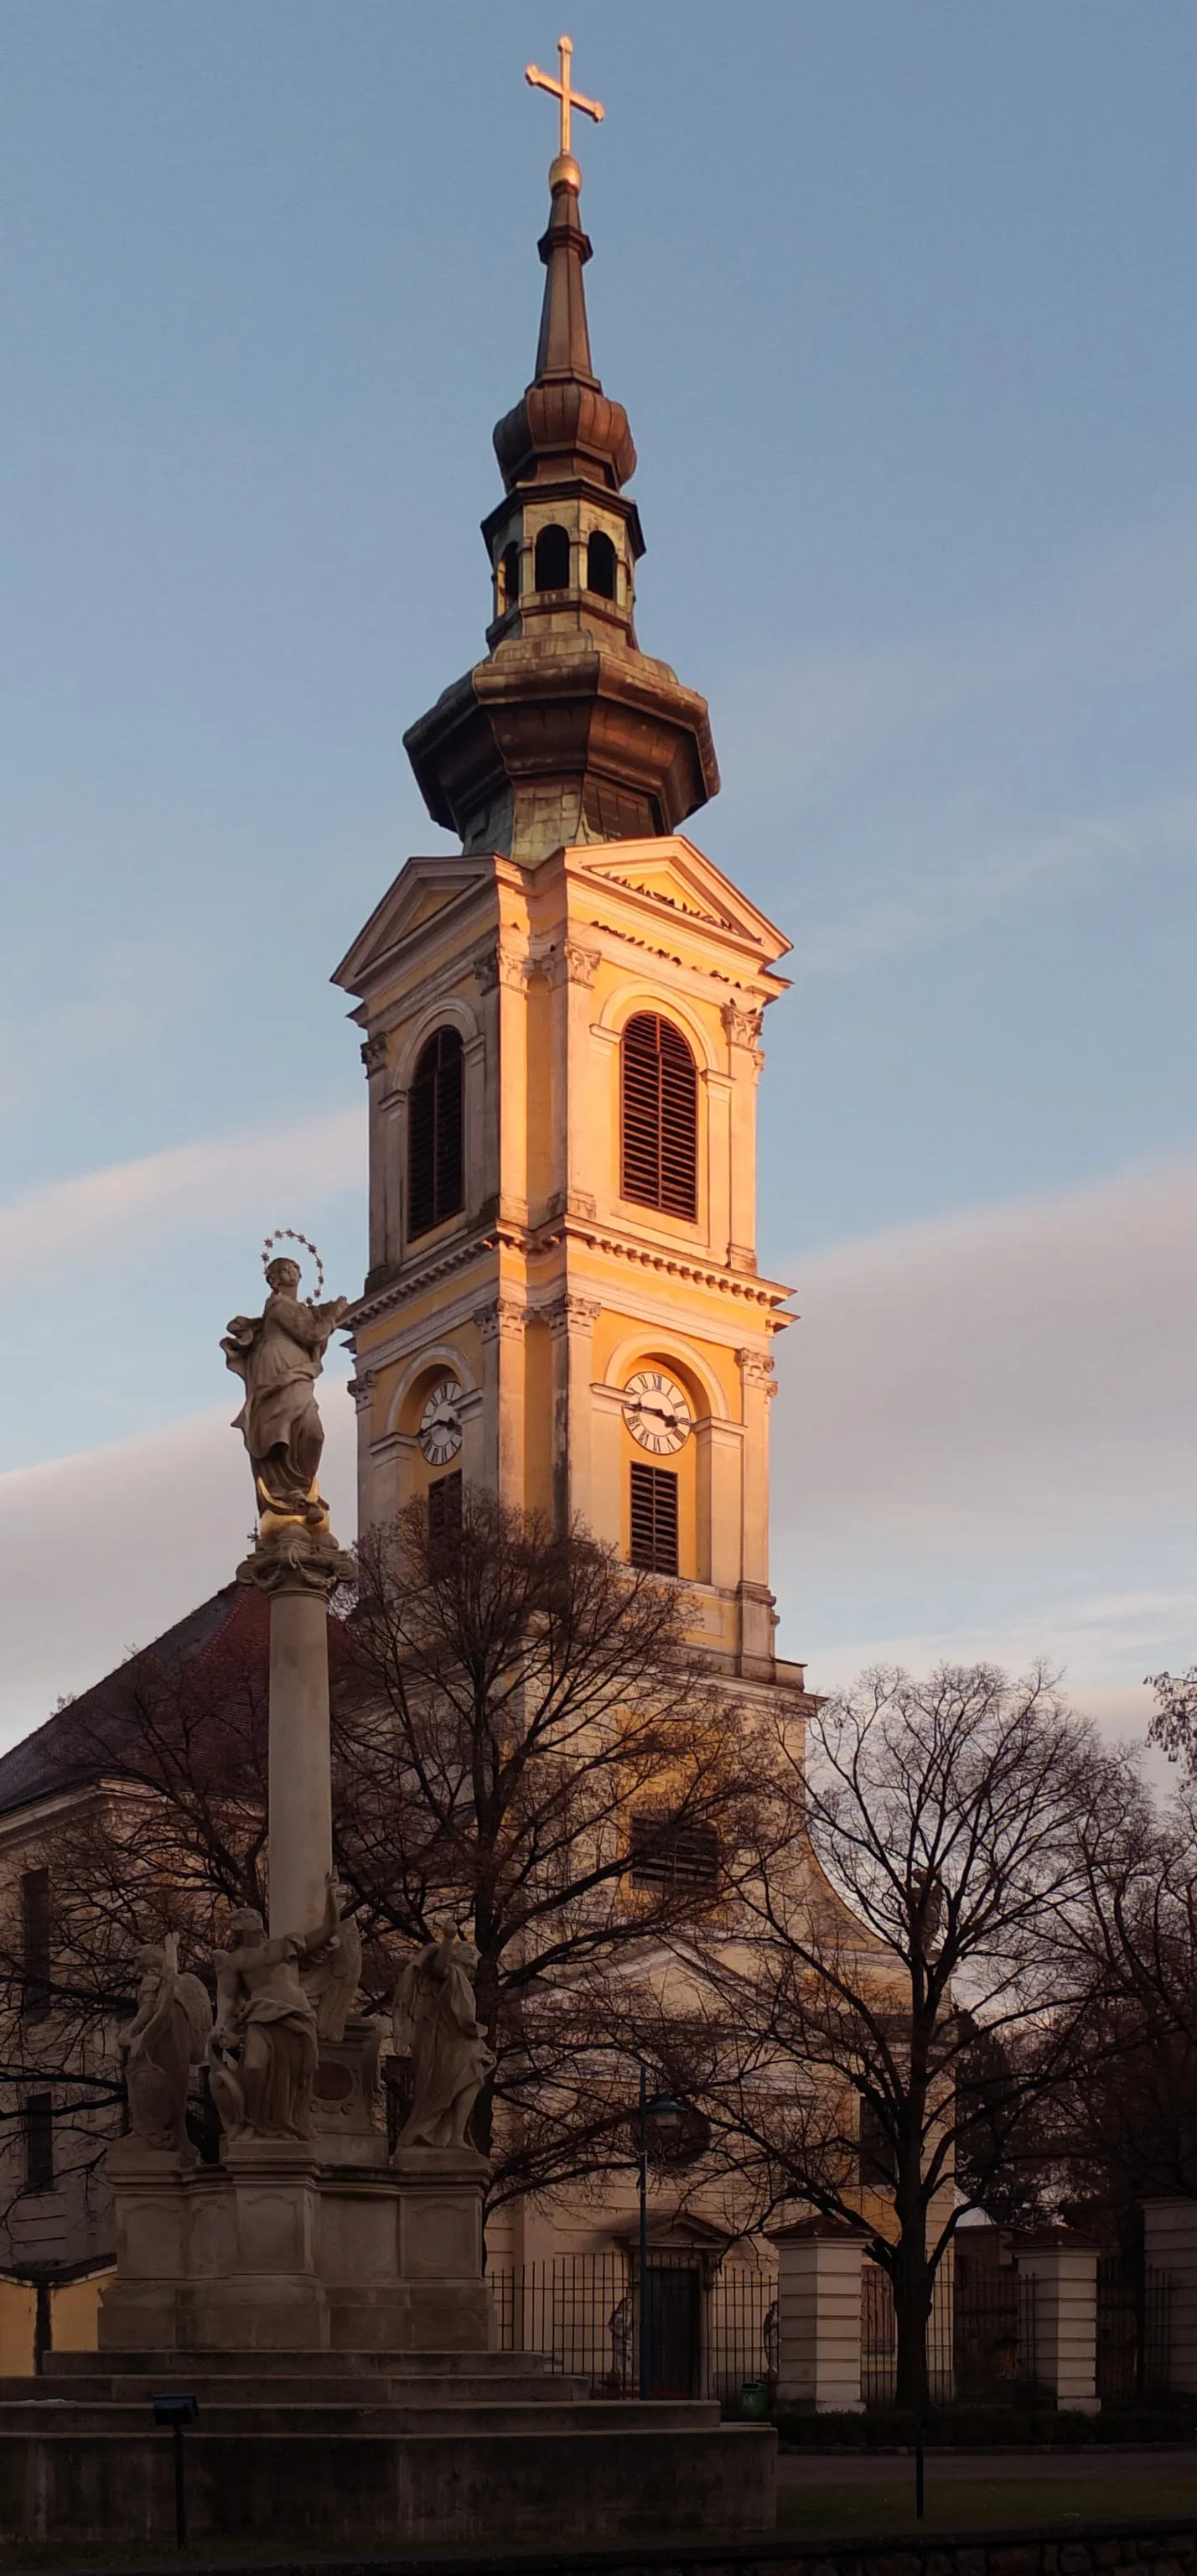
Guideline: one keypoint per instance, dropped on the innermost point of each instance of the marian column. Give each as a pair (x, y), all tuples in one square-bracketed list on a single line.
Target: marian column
[(298, 1564)]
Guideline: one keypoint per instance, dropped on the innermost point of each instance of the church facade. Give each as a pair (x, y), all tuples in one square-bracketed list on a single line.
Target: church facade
[(561, 1031)]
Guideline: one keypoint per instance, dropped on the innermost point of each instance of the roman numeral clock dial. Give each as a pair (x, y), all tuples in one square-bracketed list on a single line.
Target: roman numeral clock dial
[(656, 1412), (440, 1423)]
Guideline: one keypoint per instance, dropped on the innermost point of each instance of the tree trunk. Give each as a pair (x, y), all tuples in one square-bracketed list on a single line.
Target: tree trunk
[(913, 2282)]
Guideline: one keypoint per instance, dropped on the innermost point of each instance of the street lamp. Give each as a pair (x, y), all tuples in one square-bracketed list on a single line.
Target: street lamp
[(663, 2124)]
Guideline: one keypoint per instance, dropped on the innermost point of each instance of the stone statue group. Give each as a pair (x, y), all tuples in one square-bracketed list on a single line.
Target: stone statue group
[(275, 2000)]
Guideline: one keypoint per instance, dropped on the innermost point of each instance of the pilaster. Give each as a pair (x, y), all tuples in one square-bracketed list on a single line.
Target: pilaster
[(571, 1323)]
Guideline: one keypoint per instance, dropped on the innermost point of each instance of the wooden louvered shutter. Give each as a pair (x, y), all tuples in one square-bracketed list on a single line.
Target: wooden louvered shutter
[(654, 1519), (435, 1139), (659, 1117)]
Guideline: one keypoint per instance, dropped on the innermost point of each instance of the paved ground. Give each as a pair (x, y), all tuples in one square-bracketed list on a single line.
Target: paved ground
[(881, 2468)]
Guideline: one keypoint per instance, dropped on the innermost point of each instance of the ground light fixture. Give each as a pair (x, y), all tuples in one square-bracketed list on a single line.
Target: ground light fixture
[(174, 2414), (663, 2125)]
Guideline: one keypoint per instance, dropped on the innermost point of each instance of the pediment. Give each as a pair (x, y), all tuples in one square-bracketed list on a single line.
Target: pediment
[(674, 875), (423, 889)]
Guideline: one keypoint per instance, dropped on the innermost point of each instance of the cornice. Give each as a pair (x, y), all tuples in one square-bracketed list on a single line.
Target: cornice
[(576, 1227)]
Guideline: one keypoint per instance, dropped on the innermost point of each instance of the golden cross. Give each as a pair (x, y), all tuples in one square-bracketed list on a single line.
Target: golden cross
[(569, 98)]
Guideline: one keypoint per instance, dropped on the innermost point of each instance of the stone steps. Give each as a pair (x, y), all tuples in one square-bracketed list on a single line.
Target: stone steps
[(71, 2419), (152, 2363), (376, 2388)]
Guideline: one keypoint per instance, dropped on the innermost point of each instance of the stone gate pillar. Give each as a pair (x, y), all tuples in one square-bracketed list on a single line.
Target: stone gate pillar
[(818, 2314), (1064, 2270)]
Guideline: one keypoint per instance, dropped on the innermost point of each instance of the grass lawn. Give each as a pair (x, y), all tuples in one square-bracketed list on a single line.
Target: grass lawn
[(967, 2504), (818, 2511)]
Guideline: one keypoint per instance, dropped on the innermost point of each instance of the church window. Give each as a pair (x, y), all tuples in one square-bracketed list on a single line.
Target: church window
[(670, 1851), (35, 1942), (38, 2125), (600, 565), (509, 577), (435, 1139), (659, 1123), (444, 1509), (654, 1519), (552, 559)]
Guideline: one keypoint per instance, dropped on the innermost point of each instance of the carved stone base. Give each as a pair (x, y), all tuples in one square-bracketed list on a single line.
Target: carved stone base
[(278, 2249), (219, 2258), (447, 2305)]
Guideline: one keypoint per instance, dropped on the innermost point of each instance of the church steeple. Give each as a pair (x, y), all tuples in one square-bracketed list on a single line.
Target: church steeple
[(561, 1031), (567, 733)]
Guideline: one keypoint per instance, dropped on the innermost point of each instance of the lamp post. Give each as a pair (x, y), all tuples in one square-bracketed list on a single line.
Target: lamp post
[(663, 2124)]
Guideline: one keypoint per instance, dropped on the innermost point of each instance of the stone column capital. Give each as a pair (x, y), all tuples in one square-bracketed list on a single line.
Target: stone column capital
[(756, 1369), (571, 1314), (501, 966), (297, 1560), (503, 1319), (742, 1024)]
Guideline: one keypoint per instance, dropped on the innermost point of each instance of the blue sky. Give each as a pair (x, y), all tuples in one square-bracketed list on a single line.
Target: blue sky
[(899, 296)]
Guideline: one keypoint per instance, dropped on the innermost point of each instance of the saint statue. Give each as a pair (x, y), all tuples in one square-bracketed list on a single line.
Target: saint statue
[(263, 2050), (167, 2036), (434, 2021), (279, 1353)]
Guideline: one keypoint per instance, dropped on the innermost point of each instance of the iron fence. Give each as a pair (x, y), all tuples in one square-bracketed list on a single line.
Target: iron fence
[(711, 2324), (1134, 2331), (980, 2336)]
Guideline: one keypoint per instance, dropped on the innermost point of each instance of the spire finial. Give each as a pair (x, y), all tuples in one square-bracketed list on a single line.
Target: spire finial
[(562, 90)]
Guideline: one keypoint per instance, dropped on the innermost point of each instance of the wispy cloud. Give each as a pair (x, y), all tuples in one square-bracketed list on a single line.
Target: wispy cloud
[(149, 1528), (123, 996), (226, 1178), (1011, 1373), (948, 903), (1123, 618), (986, 1439)]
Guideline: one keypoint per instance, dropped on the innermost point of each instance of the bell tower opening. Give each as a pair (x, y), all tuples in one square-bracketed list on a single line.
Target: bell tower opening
[(601, 562), (552, 558)]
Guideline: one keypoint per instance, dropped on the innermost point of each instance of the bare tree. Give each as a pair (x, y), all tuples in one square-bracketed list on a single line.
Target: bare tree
[(1174, 1725), (1130, 2126), (527, 1742), (916, 1884), (522, 1742)]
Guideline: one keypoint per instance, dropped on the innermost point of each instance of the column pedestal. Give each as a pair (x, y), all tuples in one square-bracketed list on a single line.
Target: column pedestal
[(276, 2250)]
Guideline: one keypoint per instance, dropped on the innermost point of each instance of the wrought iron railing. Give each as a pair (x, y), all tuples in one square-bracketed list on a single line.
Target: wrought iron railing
[(1134, 2331), (711, 2325), (980, 2336)]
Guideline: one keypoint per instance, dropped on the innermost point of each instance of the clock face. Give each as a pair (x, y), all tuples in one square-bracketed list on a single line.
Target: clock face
[(656, 1412), (440, 1423)]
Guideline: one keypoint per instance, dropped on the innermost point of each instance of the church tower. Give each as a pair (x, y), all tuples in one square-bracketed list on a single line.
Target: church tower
[(562, 1041)]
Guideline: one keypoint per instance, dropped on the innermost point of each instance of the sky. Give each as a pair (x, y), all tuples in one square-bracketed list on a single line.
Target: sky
[(899, 297)]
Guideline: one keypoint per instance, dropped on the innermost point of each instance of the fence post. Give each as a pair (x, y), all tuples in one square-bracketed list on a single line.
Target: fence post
[(818, 2314), (1064, 2270), (1170, 2245)]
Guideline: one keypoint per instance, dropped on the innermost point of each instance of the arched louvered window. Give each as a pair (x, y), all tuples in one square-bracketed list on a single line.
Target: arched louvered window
[(552, 559), (659, 1117), (435, 1138)]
